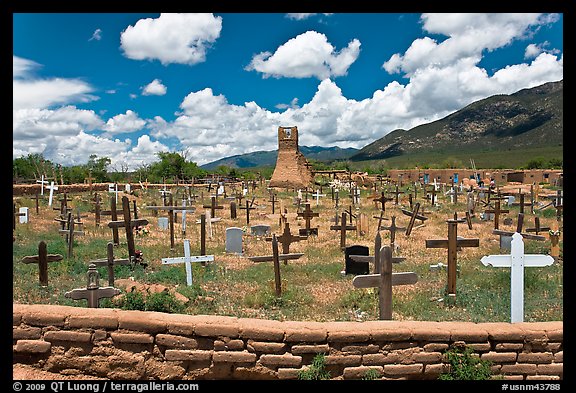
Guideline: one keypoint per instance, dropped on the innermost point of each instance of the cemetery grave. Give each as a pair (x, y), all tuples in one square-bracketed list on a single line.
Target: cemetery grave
[(309, 287)]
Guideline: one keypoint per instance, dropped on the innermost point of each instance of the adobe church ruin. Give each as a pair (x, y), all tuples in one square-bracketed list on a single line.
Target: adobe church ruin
[(292, 168)]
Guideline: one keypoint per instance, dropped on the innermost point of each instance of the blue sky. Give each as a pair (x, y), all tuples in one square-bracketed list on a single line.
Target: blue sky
[(128, 85)]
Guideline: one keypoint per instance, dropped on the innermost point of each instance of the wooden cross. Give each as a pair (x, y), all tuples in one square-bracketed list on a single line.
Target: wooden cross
[(90, 178), (496, 211), (318, 195), (213, 206), (433, 193), (70, 232), (392, 228), (343, 228), (187, 260), (128, 224), (93, 292), (248, 207), (51, 188), (452, 244), (110, 262), (413, 216), (521, 203), (380, 218), (37, 199), (384, 279), (517, 261), (42, 182), (350, 214), (287, 238), (308, 215), (397, 192), (454, 194), (42, 260), (382, 199), (273, 200), (170, 209), (276, 258), (537, 228), (519, 226)]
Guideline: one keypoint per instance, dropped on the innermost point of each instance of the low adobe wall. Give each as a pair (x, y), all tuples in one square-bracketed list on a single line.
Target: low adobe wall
[(139, 345)]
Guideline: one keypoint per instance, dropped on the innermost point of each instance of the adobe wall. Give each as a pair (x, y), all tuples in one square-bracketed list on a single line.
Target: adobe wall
[(139, 345)]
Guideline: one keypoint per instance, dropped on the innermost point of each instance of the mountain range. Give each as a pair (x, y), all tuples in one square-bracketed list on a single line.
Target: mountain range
[(529, 120)]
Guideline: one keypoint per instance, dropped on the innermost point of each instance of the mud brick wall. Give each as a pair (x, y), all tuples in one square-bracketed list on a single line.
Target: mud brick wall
[(290, 170), (140, 345)]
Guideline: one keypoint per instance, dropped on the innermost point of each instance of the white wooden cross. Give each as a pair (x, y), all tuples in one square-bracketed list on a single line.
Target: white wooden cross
[(318, 195), (187, 259), (517, 261), (51, 188), (114, 188), (42, 182)]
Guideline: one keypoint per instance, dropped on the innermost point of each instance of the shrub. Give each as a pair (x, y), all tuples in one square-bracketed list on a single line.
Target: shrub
[(465, 366), (316, 370)]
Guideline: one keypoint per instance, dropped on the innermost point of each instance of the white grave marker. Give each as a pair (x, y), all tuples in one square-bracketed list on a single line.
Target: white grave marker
[(51, 188), (114, 188), (42, 182), (517, 261), (318, 195), (187, 259), (23, 218)]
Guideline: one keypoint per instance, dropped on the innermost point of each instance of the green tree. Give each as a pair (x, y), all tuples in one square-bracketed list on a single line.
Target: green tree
[(97, 168)]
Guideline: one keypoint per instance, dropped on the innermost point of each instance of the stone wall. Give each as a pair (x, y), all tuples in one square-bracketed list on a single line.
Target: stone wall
[(140, 345)]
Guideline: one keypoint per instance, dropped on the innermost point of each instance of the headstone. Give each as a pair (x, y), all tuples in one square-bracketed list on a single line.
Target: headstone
[(162, 223), (517, 261), (353, 267), (187, 259), (23, 217), (260, 230), (511, 200), (234, 240)]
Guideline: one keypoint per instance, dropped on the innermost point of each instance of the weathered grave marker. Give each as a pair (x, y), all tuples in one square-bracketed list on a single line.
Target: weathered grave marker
[(110, 262), (382, 199), (52, 188), (287, 238), (517, 261), (170, 209), (393, 228), (452, 244), (234, 240), (128, 224), (413, 216), (308, 215), (496, 211), (187, 260), (248, 207), (506, 236), (42, 260), (260, 230), (213, 206), (537, 228), (276, 258), (93, 291), (384, 280), (356, 266), (343, 228)]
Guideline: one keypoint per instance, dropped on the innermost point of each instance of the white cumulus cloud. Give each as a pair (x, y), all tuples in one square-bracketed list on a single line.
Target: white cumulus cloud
[(124, 123), (171, 38), (155, 88), (306, 55)]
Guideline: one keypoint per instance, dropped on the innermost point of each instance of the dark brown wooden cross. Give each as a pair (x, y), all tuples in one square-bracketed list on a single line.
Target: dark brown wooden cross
[(413, 216), (393, 228), (521, 203), (213, 207), (396, 193), (537, 228), (248, 207), (276, 257), (343, 228), (308, 215), (110, 262), (93, 292), (37, 199), (69, 231), (382, 199), (384, 280), (273, 200), (379, 218), (433, 193), (171, 209), (287, 238), (452, 244), (350, 214), (97, 210), (42, 260), (128, 224), (519, 226), (496, 211)]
